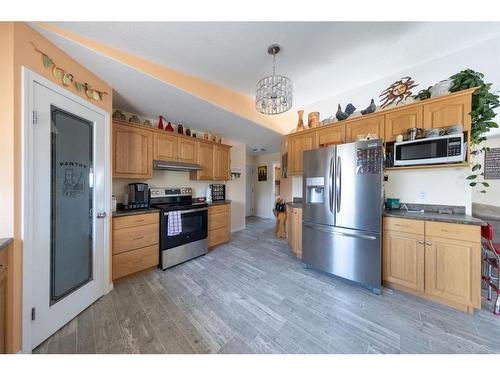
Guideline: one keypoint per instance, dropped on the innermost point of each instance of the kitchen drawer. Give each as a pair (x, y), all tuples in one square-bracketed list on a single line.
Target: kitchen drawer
[(135, 237), (219, 208), (404, 225), (218, 236), (459, 232), (134, 261), (218, 220), (135, 220)]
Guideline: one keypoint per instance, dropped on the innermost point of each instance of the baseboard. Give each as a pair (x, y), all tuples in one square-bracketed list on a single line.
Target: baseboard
[(237, 229)]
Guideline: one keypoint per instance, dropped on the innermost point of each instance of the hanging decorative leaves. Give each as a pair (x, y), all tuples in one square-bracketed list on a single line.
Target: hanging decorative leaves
[(67, 78)]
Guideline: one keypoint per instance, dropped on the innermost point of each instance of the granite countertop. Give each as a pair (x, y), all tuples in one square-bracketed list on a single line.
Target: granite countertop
[(4, 242), (227, 201), (135, 212), (435, 216)]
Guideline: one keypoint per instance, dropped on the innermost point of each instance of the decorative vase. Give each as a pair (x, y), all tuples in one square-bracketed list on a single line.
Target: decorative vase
[(441, 88), (313, 119), (300, 123), (169, 127), (160, 123), (180, 129), (188, 132)]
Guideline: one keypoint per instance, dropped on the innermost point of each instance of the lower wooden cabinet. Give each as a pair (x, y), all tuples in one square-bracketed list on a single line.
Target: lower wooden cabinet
[(135, 243), (453, 270), (438, 261), (404, 259), (294, 230), (219, 224)]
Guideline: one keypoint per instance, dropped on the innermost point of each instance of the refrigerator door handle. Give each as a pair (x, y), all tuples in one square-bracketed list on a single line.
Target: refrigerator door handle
[(331, 185), (339, 233), (338, 183)]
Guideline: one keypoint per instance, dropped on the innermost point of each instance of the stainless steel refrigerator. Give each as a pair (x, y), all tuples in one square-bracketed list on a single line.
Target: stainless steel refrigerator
[(342, 211)]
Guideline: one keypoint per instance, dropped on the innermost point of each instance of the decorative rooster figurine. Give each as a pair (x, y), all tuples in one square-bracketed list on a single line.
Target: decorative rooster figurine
[(371, 108), (349, 110)]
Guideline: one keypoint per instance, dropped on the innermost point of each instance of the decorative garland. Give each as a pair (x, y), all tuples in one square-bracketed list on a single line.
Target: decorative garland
[(67, 78)]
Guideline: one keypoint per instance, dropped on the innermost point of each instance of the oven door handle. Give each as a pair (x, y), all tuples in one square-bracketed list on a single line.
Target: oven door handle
[(188, 211)]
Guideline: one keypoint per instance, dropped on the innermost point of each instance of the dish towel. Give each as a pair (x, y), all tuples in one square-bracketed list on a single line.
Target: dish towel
[(174, 225)]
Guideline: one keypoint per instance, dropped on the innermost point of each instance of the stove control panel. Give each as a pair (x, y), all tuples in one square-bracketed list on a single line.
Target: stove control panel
[(170, 192)]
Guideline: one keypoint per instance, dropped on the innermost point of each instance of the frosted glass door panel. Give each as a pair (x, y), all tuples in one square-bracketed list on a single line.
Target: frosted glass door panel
[(71, 203)]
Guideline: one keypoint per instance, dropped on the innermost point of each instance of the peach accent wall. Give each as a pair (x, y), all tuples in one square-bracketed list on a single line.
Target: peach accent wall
[(230, 100), (15, 38)]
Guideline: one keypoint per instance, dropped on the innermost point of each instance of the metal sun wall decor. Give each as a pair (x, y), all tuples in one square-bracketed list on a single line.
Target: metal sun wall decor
[(68, 79), (397, 92)]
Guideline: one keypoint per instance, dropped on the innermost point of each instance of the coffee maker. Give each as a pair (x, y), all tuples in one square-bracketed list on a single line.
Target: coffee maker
[(138, 195)]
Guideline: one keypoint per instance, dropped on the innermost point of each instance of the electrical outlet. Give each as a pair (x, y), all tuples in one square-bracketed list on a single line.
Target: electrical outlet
[(422, 195)]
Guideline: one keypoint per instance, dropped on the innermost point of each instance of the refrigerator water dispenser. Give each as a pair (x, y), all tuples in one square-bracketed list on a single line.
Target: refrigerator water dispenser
[(315, 190)]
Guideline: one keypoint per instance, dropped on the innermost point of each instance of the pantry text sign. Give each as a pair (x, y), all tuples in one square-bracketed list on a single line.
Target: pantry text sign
[(492, 164)]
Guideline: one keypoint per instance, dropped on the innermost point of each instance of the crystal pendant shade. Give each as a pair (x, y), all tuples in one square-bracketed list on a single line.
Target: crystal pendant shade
[(274, 93)]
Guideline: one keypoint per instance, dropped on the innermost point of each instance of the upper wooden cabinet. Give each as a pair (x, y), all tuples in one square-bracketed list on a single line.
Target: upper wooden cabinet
[(165, 146), (297, 144), (439, 112), (398, 122), (330, 136), (186, 150), (448, 111), (363, 126), (135, 147), (222, 162), (205, 158), (132, 152)]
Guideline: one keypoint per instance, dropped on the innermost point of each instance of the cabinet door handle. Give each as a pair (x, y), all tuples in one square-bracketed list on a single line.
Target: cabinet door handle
[(421, 242), (138, 238), (428, 243)]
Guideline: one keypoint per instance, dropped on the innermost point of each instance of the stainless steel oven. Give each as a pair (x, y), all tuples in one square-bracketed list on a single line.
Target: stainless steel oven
[(191, 239), (436, 150)]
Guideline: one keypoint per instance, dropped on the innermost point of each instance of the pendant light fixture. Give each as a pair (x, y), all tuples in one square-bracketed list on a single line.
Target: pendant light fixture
[(274, 93)]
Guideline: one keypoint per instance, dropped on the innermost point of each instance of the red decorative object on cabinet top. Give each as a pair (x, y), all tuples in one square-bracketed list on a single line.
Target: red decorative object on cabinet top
[(160, 123), (169, 127)]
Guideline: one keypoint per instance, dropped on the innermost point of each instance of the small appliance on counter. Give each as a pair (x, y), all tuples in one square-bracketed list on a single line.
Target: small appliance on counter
[(138, 196), (218, 192)]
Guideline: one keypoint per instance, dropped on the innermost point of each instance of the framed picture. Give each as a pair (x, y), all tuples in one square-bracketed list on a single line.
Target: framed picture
[(262, 172)]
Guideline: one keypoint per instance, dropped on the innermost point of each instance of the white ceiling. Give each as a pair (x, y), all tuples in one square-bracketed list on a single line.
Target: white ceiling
[(323, 59), (139, 93)]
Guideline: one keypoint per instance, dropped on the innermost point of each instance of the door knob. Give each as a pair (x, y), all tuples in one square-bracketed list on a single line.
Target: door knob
[(101, 215)]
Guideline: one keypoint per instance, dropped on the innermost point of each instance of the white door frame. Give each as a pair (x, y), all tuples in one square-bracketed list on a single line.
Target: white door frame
[(28, 80)]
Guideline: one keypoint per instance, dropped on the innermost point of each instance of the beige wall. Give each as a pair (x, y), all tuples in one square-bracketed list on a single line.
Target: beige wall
[(17, 51), (492, 197), (264, 198)]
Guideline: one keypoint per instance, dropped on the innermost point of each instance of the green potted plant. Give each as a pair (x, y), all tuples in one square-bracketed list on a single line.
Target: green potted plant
[(484, 101)]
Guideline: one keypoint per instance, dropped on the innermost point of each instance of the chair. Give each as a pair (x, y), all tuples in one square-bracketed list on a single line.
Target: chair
[(490, 263)]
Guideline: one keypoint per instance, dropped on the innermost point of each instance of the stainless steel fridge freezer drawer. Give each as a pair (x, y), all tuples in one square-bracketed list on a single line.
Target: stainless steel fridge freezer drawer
[(351, 254)]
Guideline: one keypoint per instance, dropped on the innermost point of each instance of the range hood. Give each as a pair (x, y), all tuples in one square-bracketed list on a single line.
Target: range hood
[(176, 166)]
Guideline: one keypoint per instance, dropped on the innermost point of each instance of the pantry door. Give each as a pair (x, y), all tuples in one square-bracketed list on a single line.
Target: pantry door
[(66, 178)]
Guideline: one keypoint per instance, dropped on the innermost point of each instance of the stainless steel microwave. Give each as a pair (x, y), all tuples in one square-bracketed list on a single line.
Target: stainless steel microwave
[(437, 150)]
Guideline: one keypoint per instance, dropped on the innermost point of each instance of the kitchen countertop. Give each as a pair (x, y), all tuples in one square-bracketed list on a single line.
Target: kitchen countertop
[(434, 216), (4, 242), (135, 212), (219, 202)]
